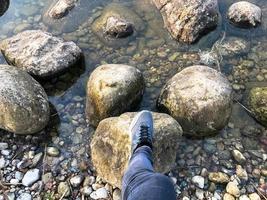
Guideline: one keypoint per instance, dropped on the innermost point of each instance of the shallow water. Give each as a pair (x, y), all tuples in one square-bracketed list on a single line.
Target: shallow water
[(159, 57)]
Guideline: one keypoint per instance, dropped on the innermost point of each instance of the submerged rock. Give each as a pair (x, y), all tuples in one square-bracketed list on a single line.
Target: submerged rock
[(219, 177), (23, 102), (199, 98), (258, 103), (61, 8), (111, 90), (39, 53), (118, 28), (4, 4), (111, 145), (187, 20), (117, 18), (244, 14)]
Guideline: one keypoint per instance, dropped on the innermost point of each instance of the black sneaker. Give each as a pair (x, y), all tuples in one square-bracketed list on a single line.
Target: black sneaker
[(141, 130)]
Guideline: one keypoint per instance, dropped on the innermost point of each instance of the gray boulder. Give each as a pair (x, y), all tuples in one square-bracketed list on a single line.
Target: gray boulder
[(112, 90), (4, 4), (188, 20), (199, 98), (245, 14), (23, 102), (40, 53), (111, 145)]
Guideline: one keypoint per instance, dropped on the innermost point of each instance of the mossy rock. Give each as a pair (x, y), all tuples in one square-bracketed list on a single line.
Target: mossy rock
[(258, 103), (118, 11)]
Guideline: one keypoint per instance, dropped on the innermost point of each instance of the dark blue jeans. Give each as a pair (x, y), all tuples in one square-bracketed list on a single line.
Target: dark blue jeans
[(140, 182)]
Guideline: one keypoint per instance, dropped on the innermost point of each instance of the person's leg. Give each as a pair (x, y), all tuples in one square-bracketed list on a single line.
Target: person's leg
[(140, 182)]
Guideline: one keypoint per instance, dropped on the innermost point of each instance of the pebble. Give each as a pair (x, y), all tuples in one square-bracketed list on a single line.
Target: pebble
[(227, 196), (25, 196), (87, 190), (10, 196), (254, 196), (232, 188), (238, 156), (199, 194), (241, 173), (100, 193), (31, 177), (116, 194), (36, 159), (199, 181), (219, 177), (76, 180), (3, 146), (52, 151), (244, 197), (63, 189), (2, 162)]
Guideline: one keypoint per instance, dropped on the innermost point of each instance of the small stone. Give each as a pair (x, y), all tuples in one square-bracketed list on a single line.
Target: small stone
[(101, 193), (87, 190), (199, 194), (116, 194), (241, 173), (10, 196), (263, 172), (227, 196), (199, 181), (53, 151), (14, 181), (25, 196), (18, 175), (63, 189), (244, 197), (76, 180), (238, 156), (2, 162), (233, 189), (254, 196), (47, 177), (36, 159), (31, 177), (3, 146), (219, 177)]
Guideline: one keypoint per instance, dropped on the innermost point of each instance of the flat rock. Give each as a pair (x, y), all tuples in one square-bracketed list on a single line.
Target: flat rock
[(40, 53), (111, 90), (4, 4), (199, 98), (111, 145), (23, 102), (245, 14), (188, 20), (31, 177)]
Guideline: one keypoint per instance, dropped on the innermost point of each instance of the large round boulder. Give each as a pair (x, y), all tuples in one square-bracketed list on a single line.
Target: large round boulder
[(199, 98), (23, 102), (188, 20), (113, 89), (40, 53), (258, 103), (4, 4), (245, 14), (111, 145)]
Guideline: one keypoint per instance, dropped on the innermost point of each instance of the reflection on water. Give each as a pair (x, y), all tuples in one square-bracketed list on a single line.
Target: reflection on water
[(159, 57)]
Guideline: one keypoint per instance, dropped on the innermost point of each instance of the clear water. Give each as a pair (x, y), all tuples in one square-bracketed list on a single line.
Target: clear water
[(150, 51)]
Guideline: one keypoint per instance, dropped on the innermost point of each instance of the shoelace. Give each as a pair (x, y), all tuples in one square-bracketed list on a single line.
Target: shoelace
[(144, 133)]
